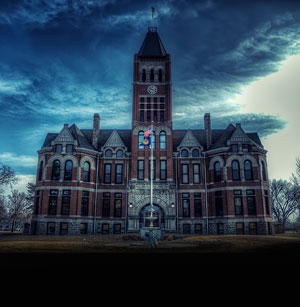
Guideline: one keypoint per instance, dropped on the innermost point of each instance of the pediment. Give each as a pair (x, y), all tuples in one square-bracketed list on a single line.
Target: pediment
[(65, 135), (189, 140), (114, 140), (239, 135)]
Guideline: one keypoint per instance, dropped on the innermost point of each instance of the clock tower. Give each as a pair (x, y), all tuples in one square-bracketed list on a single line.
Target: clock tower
[(152, 106)]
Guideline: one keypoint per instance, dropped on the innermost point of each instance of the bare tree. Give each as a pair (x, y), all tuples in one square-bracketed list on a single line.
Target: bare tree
[(285, 197), (18, 208), (7, 175)]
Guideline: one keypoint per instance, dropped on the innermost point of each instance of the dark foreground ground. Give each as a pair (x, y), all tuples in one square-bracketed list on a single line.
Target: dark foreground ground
[(19, 251)]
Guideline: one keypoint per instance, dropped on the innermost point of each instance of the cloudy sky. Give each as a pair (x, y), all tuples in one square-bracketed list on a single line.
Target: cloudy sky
[(63, 60)]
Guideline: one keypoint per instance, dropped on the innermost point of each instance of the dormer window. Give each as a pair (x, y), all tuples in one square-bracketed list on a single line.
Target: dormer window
[(69, 148), (235, 148), (108, 153), (195, 153), (58, 148), (120, 153), (245, 147), (184, 153)]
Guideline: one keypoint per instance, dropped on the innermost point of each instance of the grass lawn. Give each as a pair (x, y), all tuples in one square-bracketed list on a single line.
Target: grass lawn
[(226, 248)]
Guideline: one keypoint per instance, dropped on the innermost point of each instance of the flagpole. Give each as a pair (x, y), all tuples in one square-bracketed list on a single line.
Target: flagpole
[(151, 177)]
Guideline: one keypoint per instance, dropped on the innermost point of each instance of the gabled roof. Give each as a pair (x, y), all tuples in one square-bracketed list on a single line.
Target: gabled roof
[(152, 44)]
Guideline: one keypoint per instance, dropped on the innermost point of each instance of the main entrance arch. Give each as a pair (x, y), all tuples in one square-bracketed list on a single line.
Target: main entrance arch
[(159, 213)]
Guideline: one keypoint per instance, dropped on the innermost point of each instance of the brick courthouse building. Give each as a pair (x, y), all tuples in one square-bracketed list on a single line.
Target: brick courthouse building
[(204, 180)]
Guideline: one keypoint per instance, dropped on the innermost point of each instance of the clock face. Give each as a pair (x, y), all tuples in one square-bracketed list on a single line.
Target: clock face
[(152, 89)]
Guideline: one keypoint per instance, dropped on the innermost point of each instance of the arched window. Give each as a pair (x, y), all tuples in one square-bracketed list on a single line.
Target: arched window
[(144, 75), (248, 170), (108, 153), (195, 153), (86, 172), (41, 171), (55, 170), (217, 171), (263, 170), (140, 140), (184, 153), (151, 75), (120, 153), (235, 166), (162, 140), (160, 75), (68, 170), (153, 144)]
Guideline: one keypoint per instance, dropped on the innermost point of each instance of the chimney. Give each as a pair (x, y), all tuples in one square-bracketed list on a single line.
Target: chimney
[(96, 130), (207, 130)]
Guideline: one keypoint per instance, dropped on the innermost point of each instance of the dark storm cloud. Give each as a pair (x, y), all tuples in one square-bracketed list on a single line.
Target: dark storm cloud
[(61, 61)]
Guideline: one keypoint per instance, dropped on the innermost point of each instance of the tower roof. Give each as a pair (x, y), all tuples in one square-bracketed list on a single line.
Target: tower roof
[(152, 44)]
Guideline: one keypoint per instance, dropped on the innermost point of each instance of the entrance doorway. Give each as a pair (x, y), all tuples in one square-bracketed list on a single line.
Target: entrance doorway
[(158, 213)]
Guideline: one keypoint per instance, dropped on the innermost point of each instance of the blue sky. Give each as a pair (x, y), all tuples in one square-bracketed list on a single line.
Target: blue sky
[(61, 61)]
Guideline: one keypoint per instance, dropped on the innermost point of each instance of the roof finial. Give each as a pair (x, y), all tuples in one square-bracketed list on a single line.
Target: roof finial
[(153, 10)]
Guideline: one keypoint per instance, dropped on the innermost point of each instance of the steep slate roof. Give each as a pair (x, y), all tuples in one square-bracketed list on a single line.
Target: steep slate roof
[(152, 44), (84, 137)]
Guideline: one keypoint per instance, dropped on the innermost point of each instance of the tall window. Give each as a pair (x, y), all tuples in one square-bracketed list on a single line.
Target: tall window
[(65, 204), (163, 170), (107, 173), (55, 170), (251, 202), (85, 203), (217, 171), (68, 170), (41, 171), (140, 140), (238, 203), (184, 153), (186, 212), (86, 171), (155, 118), (153, 144), (248, 170), (106, 205), (148, 115), (197, 205), (141, 168), (153, 170), (185, 173), (162, 140), (142, 116), (37, 202), (119, 173), (196, 173), (266, 196), (219, 203), (118, 208), (53, 202), (235, 166), (263, 170), (162, 115)]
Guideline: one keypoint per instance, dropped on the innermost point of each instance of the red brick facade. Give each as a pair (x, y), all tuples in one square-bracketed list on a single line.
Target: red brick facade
[(96, 181)]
